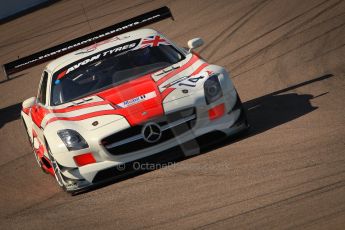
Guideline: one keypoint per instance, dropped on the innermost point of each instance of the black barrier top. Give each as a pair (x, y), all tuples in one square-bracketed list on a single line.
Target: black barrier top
[(83, 41)]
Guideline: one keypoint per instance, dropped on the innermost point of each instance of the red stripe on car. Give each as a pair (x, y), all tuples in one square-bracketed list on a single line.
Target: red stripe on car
[(83, 117), (37, 114), (77, 107), (166, 92), (26, 110)]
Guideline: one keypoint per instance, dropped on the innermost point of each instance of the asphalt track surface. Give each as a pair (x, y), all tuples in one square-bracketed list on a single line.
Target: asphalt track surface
[(287, 60)]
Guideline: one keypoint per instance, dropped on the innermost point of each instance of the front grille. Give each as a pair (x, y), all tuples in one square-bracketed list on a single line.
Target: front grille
[(131, 139)]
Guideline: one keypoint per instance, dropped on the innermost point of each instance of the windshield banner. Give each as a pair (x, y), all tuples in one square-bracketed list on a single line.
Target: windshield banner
[(98, 56)]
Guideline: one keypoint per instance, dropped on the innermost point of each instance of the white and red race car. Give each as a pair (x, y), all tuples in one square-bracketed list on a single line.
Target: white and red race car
[(124, 99)]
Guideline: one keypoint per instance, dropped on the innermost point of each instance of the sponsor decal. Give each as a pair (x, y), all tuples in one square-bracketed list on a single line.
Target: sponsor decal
[(153, 41), (111, 51), (137, 100)]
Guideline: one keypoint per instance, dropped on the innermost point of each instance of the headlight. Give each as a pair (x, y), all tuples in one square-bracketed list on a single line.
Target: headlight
[(212, 89), (72, 139)]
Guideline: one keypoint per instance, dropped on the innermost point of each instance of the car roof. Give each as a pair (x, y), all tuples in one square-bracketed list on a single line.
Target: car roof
[(69, 58)]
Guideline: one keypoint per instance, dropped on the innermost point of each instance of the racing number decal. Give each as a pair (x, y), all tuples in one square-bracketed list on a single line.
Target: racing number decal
[(187, 82), (190, 82)]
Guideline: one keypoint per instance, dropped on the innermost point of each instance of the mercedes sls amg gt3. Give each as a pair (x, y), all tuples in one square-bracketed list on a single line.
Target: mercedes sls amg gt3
[(124, 99)]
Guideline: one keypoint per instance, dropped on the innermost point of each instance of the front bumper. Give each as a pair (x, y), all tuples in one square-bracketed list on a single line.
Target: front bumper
[(102, 172), (116, 166)]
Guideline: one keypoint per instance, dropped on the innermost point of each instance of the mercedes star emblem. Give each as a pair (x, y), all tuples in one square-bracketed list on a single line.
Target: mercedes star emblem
[(151, 132)]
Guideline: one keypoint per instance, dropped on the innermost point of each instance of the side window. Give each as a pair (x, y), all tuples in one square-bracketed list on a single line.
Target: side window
[(43, 89)]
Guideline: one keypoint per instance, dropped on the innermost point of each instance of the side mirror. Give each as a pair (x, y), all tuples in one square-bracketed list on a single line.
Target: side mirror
[(29, 102), (195, 43)]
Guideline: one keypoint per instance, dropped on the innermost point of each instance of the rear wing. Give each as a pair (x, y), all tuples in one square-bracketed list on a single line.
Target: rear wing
[(86, 40)]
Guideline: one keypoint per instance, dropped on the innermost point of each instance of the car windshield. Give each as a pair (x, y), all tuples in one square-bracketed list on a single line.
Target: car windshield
[(98, 73)]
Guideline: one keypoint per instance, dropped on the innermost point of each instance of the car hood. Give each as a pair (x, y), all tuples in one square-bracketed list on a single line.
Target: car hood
[(137, 101)]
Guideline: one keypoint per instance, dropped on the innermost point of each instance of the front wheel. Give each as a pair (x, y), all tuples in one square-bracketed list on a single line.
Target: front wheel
[(39, 163), (57, 172)]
